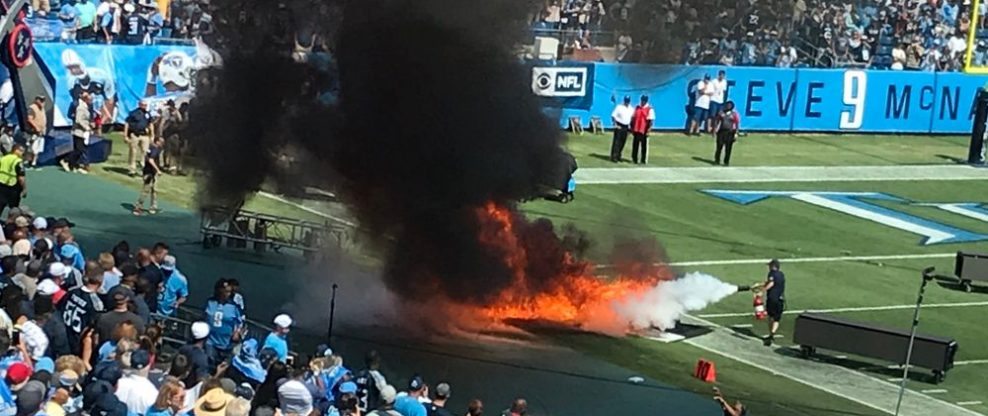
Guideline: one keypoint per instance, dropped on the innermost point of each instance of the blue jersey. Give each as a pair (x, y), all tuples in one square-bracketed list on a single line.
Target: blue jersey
[(330, 378), (778, 290), (8, 407), (224, 319), (176, 287), (279, 344), (409, 406)]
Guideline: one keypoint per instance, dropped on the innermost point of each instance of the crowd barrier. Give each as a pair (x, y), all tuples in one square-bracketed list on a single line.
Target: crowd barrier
[(769, 99)]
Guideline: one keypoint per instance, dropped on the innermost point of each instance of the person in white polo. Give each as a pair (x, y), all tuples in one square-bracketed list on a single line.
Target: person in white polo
[(701, 106), (718, 88)]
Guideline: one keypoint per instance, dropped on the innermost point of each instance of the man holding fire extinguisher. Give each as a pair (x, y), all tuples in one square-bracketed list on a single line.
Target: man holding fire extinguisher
[(775, 294)]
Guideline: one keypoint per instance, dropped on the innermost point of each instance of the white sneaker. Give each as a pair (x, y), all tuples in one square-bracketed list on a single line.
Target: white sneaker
[(82, 171), (65, 165)]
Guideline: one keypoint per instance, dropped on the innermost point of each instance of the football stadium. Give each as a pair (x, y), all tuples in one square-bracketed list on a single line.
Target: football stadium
[(459, 207)]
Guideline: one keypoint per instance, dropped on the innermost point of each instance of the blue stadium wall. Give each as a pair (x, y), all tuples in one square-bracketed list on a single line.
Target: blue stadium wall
[(769, 99), (125, 74)]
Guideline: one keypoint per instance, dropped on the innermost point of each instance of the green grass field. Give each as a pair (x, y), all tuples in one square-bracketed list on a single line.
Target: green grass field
[(695, 227)]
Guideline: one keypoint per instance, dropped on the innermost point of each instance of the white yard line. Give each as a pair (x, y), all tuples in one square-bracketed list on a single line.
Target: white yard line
[(798, 260), (306, 209), (765, 174), (934, 391), (856, 309), (840, 381), (971, 403), (970, 362)]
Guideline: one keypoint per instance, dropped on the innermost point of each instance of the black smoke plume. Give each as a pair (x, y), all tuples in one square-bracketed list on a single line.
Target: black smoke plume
[(434, 118)]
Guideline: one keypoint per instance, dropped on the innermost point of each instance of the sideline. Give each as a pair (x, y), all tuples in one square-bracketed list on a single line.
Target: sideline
[(798, 260), (306, 209), (856, 309), (840, 381)]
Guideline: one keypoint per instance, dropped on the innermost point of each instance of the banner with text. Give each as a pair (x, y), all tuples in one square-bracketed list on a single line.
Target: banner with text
[(776, 99)]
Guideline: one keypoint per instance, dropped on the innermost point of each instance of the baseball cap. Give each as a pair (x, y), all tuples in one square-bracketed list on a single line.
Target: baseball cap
[(348, 387), (416, 383), (21, 222), (92, 392), (18, 373), (773, 262), (294, 398), (68, 378), (30, 398), (388, 394), (108, 404), (44, 364), (323, 350), (47, 287), (57, 269), (283, 321), (200, 330), (168, 263), (443, 390), (140, 359), (63, 223), (109, 372)]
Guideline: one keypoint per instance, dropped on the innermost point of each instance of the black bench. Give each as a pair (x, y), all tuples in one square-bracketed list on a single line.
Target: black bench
[(969, 267), (817, 330)]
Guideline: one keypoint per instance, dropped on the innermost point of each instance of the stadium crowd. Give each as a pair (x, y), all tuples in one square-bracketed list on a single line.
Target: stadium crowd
[(132, 22), (928, 35), (83, 335)]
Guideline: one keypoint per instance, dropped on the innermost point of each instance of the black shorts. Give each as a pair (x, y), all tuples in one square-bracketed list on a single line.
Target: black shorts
[(775, 309), (149, 178)]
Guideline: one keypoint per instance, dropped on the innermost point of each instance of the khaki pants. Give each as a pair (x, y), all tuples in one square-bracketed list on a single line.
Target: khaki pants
[(148, 190), (139, 145)]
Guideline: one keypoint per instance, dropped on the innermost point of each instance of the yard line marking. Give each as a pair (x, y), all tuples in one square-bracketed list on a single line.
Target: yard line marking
[(969, 362), (974, 403), (799, 260), (742, 326), (769, 174), (894, 379), (306, 209), (857, 309), (934, 391)]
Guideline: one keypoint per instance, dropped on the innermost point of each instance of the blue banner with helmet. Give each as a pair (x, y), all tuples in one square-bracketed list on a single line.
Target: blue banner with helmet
[(120, 76), (788, 100)]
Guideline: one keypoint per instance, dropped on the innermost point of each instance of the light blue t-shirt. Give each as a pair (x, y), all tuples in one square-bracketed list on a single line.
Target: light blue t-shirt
[(87, 13), (223, 318), (153, 411), (409, 406), (110, 281), (8, 407), (279, 344), (176, 287), (72, 251)]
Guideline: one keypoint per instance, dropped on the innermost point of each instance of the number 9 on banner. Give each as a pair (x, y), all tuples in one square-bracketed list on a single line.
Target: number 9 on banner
[(855, 84)]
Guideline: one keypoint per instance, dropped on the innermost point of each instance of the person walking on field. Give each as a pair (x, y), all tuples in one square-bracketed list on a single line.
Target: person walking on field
[(621, 116), (152, 170), (641, 124), (726, 125)]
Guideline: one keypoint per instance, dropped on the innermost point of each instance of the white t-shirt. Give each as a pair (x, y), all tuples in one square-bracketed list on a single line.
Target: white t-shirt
[(623, 113), (702, 95), (137, 392), (719, 89)]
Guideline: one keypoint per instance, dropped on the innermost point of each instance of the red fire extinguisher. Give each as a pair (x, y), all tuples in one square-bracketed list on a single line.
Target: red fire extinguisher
[(759, 304)]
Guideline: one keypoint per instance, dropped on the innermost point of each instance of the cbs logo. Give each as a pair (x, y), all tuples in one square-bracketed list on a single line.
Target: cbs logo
[(544, 81)]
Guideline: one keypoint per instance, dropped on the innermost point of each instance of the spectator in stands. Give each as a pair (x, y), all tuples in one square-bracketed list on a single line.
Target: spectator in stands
[(370, 382), (135, 26), (41, 8), (170, 400), (79, 310), (409, 404), (176, 288), (134, 389), (108, 321), (32, 335), (111, 275), (155, 20), (195, 352), (69, 15), (438, 405), (226, 323), (151, 272), (386, 408), (54, 326), (475, 408), (294, 398), (518, 408), (277, 340)]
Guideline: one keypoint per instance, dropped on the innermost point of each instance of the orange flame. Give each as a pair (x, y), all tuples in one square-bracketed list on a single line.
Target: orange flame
[(575, 295)]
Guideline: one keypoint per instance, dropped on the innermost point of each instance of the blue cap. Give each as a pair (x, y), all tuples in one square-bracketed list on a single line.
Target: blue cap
[(348, 387), (140, 359), (45, 364)]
